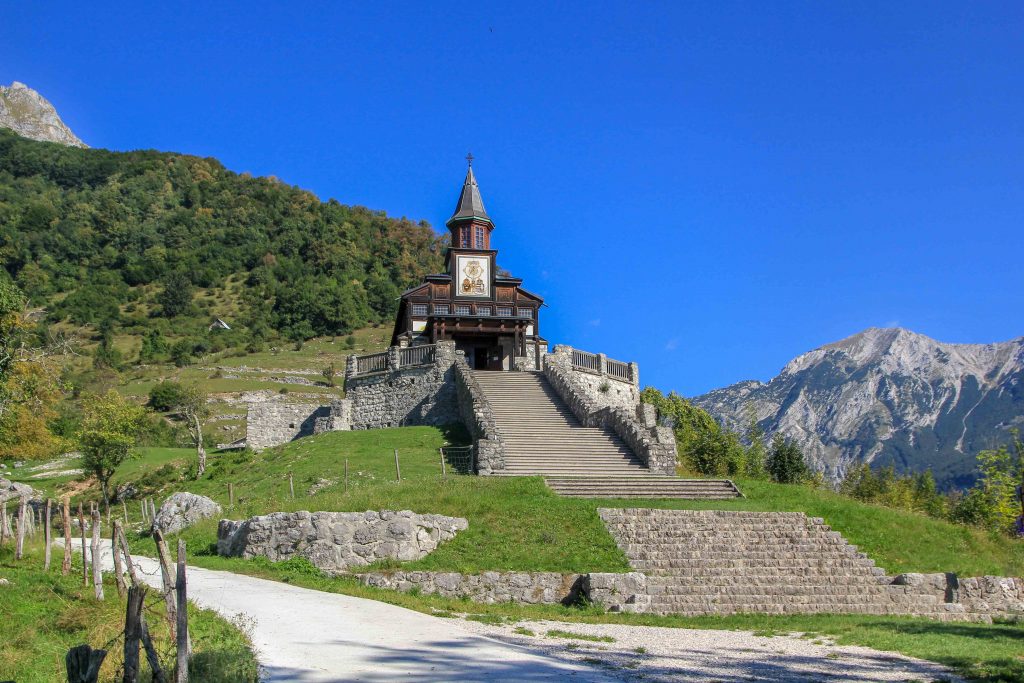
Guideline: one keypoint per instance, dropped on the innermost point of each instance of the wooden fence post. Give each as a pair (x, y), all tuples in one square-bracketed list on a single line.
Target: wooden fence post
[(85, 554), (83, 664), (398, 470), (167, 579), (231, 494), (133, 632), (291, 485), (142, 504), (444, 471), (46, 538), (97, 560), (115, 551), (346, 475), (65, 567), (124, 509), (3, 523), (20, 549), (152, 511), (123, 542), (151, 655), (182, 640)]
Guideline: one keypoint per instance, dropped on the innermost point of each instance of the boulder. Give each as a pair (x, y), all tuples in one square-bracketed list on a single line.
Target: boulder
[(13, 491), (182, 510), (334, 541)]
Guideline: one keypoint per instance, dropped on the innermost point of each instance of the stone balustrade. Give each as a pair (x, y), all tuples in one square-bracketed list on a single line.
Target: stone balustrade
[(477, 416)]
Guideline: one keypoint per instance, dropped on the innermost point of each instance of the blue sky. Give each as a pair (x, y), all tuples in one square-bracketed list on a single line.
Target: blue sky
[(709, 189)]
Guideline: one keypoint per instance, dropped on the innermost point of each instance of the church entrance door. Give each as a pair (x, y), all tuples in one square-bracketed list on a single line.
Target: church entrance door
[(480, 358)]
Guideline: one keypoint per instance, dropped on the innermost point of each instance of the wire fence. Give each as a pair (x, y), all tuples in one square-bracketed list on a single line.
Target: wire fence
[(459, 459)]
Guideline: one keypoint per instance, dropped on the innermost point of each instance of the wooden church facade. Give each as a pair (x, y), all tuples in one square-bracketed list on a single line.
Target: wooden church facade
[(489, 316)]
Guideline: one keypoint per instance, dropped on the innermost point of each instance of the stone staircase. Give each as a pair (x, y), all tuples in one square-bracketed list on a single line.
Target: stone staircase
[(542, 437), (701, 562)]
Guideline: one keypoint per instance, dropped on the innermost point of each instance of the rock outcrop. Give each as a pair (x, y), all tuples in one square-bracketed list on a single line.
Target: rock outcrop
[(30, 115), (182, 510), (334, 541), (888, 396)]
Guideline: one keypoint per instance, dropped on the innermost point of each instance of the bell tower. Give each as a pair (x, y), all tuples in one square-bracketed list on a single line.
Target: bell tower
[(470, 225)]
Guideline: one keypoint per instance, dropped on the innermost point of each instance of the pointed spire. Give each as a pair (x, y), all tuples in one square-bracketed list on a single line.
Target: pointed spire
[(471, 204)]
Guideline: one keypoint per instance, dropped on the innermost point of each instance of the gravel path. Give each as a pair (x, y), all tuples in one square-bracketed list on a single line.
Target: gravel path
[(652, 654), (307, 635)]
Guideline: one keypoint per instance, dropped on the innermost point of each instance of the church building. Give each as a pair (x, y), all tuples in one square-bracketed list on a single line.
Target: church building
[(485, 311)]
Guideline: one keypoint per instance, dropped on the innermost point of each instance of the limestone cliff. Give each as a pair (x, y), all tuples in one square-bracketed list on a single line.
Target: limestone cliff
[(888, 396), (30, 115)]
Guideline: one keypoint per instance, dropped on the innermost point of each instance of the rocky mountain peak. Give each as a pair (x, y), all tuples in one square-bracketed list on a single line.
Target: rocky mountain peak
[(31, 115), (888, 396)]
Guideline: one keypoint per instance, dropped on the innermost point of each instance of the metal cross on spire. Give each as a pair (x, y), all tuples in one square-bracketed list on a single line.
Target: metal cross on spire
[(469, 159)]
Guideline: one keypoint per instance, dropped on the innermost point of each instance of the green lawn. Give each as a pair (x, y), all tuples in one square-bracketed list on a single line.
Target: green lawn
[(46, 614), (518, 524)]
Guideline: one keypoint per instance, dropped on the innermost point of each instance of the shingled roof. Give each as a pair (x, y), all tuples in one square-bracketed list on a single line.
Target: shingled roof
[(471, 204)]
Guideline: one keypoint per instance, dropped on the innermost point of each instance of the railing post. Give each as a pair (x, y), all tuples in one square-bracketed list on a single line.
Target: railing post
[(634, 374), (602, 364), (351, 366), (394, 358)]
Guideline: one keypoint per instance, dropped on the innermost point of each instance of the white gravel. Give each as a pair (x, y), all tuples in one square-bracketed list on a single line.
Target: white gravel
[(652, 654)]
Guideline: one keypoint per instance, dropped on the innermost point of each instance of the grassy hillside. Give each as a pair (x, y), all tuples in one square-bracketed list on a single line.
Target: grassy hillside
[(518, 524), (46, 614)]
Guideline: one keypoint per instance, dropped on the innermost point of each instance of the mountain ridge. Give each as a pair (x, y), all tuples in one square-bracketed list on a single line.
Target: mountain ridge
[(887, 396), (31, 115)]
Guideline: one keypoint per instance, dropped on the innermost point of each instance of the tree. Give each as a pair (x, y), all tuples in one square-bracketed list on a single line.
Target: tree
[(193, 410), (786, 461), (329, 373), (755, 460), (703, 446), (107, 437), (181, 352), (177, 295), (30, 385), (994, 500)]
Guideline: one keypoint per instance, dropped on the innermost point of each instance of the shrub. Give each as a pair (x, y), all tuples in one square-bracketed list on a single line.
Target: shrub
[(165, 396)]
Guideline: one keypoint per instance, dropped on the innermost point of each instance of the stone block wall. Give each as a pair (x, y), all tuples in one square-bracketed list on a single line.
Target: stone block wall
[(271, 424), (395, 397), (635, 423), (334, 541), (488, 587), (339, 417), (982, 597)]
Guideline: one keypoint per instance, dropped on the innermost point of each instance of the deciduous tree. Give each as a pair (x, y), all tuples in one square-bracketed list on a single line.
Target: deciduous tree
[(110, 428)]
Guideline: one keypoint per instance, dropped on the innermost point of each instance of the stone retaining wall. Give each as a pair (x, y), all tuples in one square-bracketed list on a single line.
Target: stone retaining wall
[(397, 397), (981, 597), (272, 424), (637, 426), (334, 541), (487, 587)]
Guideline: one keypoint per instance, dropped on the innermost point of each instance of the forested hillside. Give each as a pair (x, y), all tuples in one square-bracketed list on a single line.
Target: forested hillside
[(158, 244)]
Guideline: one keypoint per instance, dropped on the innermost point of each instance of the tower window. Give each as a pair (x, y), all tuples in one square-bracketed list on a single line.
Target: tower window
[(464, 238), (479, 237), (419, 309)]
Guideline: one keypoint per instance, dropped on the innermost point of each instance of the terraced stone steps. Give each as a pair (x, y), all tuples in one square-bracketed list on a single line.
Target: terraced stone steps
[(702, 562), (652, 486)]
